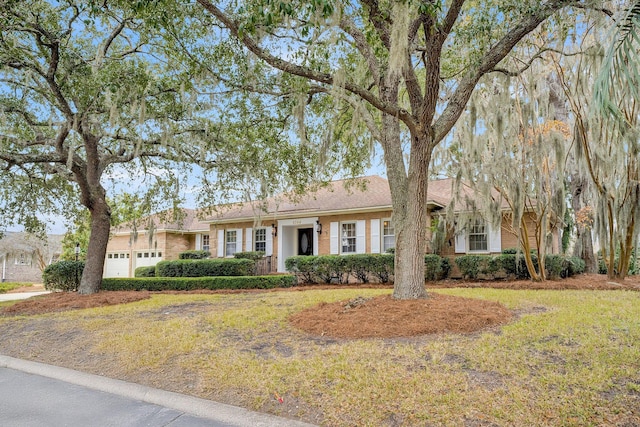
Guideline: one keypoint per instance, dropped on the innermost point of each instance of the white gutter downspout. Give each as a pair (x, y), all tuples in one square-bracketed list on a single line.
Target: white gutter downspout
[(4, 267)]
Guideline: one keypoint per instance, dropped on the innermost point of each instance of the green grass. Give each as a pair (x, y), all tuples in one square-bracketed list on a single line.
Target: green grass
[(568, 358), (9, 286)]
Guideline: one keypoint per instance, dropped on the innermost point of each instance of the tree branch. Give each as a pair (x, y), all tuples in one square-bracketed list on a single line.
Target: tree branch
[(494, 55), (298, 70)]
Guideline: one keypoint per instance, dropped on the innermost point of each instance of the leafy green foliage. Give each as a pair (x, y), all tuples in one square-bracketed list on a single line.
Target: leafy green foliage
[(192, 283), (358, 266), (63, 276), (362, 267), (469, 265), (9, 286), (196, 254), (252, 255), (514, 266), (205, 267), (436, 267), (381, 267), (331, 269), (145, 271)]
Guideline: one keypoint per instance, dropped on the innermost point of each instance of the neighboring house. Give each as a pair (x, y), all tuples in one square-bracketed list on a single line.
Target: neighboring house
[(333, 220), (24, 256)]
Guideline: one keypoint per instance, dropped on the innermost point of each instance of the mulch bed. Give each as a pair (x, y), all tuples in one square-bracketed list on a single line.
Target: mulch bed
[(385, 317)]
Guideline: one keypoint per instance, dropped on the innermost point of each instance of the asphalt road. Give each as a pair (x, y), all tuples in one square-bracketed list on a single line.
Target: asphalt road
[(37, 395), (31, 400)]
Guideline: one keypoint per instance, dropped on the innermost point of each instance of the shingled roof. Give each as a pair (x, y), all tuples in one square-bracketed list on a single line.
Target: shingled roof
[(335, 198), (363, 194), (191, 222)]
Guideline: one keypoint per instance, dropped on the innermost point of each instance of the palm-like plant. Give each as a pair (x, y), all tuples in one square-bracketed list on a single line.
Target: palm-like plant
[(618, 84)]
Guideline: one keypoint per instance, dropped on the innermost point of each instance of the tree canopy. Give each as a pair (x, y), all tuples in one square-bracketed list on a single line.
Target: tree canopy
[(84, 95)]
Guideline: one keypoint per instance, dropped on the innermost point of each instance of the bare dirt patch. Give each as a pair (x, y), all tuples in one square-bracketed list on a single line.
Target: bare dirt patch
[(385, 317)]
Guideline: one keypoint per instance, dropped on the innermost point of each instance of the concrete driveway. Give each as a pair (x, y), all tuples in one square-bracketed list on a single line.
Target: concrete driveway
[(13, 296)]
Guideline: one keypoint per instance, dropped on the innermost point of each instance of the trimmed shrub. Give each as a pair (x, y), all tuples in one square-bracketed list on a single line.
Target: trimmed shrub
[(554, 266), (363, 267), (303, 267), (145, 271), (331, 268), (170, 268), (252, 255), (574, 265), (446, 267), (513, 251), (436, 267), (515, 265), (359, 266), (205, 268), (381, 267), (194, 255), (193, 283), (63, 276), (469, 266), (558, 266)]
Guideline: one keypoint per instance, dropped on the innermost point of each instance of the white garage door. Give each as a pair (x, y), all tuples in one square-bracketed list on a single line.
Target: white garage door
[(146, 259), (116, 265)]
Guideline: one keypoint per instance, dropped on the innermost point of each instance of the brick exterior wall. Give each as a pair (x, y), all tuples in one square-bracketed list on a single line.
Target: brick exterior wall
[(169, 244), (28, 273)]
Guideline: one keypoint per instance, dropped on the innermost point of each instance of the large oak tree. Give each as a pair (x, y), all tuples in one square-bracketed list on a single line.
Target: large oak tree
[(83, 95), (407, 67)]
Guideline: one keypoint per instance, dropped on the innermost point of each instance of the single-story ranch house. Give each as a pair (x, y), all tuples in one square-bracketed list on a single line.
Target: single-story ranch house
[(333, 220), (24, 256)]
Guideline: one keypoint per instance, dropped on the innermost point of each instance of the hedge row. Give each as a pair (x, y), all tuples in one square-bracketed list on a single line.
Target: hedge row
[(193, 283), (252, 255), (362, 267), (194, 255), (63, 276), (205, 268), (145, 271), (514, 265)]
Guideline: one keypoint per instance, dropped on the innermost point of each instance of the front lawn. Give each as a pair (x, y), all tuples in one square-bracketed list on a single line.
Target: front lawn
[(9, 286), (567, 358)]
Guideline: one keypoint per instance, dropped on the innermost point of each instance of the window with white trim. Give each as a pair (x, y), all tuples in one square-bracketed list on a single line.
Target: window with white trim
[(388, 235), (231, 238), (23, 259), (348, 237), (260, 240), (205, 242), (478, 239)]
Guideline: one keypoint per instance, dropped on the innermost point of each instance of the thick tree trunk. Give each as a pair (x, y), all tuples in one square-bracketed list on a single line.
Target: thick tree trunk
[(100, 228), (410, 222), (583, 247), (409, 255)]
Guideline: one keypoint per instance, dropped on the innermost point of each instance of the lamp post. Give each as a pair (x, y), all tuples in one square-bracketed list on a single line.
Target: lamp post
[(77, 251)]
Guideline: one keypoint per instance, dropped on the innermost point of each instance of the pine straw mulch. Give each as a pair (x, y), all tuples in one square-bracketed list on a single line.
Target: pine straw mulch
[(381, 316), (385, 317)]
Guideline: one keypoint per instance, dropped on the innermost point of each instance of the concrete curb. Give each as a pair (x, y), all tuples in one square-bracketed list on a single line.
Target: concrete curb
[(203, 408)]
